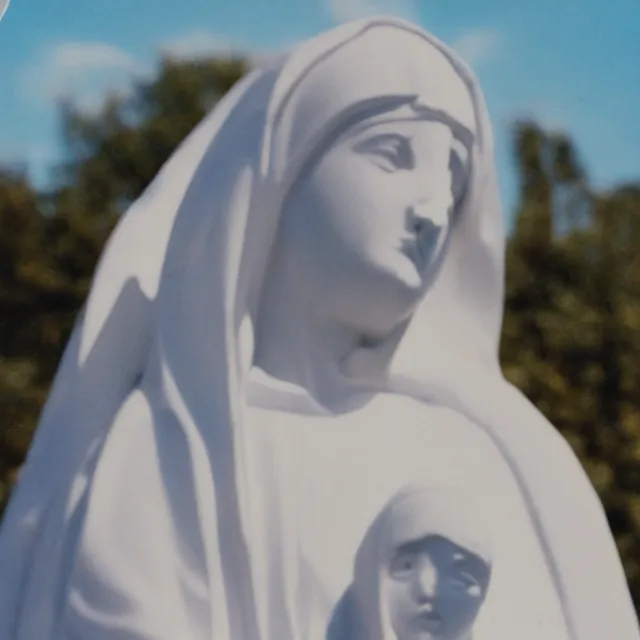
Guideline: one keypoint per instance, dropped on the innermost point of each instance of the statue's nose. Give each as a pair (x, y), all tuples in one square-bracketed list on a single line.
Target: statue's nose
[(426, 581), (434, 212)]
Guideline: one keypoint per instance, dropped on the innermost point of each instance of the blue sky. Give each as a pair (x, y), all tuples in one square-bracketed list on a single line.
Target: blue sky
[(572, 64)]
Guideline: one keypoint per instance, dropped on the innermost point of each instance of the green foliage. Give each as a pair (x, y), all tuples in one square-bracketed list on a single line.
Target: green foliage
[(24, 276), (571, 338)]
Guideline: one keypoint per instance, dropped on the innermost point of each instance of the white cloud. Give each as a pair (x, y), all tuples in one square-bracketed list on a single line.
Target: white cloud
[(478, 46), (345, 10), (199, 44), (81, 57), (194, 45), (551, 116), (85, 71)]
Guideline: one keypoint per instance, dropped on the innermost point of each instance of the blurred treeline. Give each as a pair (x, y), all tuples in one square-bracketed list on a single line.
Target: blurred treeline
[(571, 336)]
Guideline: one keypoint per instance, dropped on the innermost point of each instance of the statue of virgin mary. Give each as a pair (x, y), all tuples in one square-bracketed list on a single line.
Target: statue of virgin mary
[(299, 317)]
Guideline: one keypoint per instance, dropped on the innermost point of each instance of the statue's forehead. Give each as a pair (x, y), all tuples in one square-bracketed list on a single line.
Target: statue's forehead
[(454, 106), (378, 67), (408, 62)]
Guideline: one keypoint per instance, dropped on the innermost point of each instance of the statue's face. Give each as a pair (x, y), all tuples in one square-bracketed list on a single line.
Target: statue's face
[(366, 223), (434, 589)]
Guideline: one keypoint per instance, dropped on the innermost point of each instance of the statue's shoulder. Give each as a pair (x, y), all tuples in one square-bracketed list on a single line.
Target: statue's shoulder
[(427, 426), (410, 409)]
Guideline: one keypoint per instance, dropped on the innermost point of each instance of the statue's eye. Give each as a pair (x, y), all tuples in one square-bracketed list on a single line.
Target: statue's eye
[(467, 583), (390, 152), (463, 578), (402, 566)]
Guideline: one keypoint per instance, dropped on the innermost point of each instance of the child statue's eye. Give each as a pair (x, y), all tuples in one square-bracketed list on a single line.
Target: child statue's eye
[(402, 565)]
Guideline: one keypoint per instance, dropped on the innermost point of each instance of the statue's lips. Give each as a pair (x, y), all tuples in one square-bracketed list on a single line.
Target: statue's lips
[(420, 248), (429, 620)]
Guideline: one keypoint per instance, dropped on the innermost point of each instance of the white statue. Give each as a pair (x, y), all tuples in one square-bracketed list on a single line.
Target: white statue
[(300, 317), (422, 570)]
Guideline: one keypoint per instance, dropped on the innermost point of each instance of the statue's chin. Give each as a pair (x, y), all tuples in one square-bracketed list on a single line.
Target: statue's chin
[(393, 300), (407, 282), (409, 278)]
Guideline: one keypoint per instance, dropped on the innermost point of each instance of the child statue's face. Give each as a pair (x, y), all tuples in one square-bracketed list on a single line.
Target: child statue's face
[(434, 589)]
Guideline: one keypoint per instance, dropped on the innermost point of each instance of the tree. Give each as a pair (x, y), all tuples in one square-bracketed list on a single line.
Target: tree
[(572, 328), (116, 154), (25, 281)]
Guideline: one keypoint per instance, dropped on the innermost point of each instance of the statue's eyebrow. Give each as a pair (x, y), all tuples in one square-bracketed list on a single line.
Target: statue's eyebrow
[(440, 115)]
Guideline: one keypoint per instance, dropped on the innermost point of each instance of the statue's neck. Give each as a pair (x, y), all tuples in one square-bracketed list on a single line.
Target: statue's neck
[(296, 344)]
